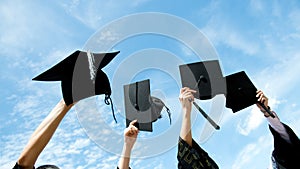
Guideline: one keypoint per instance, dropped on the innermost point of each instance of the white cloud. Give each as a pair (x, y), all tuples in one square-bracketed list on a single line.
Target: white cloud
[(221, 31), (155, 163), (70, 147), (251, 152), (224, 34), (23, 31), (186, 51), (257, 5), (251, 122), (283, 77), (29, 110), (294, 18), (254, 119), (94, 14), (79, 144), (277, 11)]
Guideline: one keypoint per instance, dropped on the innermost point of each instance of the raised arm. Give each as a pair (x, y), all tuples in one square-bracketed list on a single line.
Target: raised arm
[(190, 154), (130, 135), (42, 135), (186, 98), (274, 122)]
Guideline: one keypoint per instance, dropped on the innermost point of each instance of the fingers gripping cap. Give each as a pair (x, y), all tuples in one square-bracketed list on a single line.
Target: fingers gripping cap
[(81, 76), (204, 77), (140, 105)]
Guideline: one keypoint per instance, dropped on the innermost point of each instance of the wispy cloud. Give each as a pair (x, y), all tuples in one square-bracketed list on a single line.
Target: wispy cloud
[(222, 31), (32, 102), (251, 152), (294, 19), (23, 32), (254, 119), (31, 43), (251, 122), (94, 14), (284, 57)]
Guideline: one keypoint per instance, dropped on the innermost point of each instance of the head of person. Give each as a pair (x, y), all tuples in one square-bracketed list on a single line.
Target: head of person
[(47, 167)]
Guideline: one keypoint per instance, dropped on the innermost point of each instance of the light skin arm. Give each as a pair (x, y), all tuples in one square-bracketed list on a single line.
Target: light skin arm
[(274, 122), (130, 135), (186, 98), (262, 98), (42, 135)]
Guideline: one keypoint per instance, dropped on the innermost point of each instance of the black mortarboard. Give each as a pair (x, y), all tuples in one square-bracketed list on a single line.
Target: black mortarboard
[(140, 105), (207, 79), (241, 92), (204, 77), (81, 75)]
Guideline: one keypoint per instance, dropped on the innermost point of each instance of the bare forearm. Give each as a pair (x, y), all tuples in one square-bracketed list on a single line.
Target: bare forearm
[(125, 157), (42, 135), (185, 132)]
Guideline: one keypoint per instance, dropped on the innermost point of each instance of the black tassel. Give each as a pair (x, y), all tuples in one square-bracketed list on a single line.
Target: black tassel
[(169, 113), (108, 101)]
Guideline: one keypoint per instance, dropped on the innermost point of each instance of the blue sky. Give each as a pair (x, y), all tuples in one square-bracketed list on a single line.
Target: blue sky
[(259, 37)]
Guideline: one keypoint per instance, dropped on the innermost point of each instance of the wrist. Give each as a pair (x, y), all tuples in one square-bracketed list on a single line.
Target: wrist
[(127, 150), (266, 114), (129, 143), (263, 110)]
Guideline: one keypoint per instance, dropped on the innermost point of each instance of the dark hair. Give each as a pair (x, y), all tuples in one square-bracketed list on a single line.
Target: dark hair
[(47, 167)]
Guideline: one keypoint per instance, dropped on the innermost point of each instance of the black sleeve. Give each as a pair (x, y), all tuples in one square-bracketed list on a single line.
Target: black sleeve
[(193, 157), (286, 154), (18, 167), (118, 167)]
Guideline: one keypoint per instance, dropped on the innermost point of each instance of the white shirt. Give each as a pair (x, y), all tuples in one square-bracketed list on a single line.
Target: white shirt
[(278, 127)]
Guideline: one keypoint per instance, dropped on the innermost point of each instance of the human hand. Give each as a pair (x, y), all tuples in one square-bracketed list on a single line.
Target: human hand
[(130, 134), (262, 98), (186, 98)]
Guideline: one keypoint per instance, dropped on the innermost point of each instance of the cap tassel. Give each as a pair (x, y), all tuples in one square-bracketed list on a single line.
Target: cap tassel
[(169, 113), (92, 67), (108, 101), (136, 105)]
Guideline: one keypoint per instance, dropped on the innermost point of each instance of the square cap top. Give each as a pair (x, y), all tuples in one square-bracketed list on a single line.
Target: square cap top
[(80, 75), (241, 92), (140, 105), (205, 77)]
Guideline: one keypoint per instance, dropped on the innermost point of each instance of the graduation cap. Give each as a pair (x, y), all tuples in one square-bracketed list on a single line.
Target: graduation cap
[(204, 77), (241, 92), (81, 76), (207, 79), (140, 105), (47, 167)]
